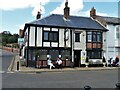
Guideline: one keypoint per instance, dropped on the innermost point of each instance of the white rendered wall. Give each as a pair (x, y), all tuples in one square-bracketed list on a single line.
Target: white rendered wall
[(82, 44), (39, 36), (32, 36), (110, 41), (61, 37), (68, 42)]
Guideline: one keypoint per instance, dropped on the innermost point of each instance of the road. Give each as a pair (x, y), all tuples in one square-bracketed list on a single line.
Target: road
[(71, 79)]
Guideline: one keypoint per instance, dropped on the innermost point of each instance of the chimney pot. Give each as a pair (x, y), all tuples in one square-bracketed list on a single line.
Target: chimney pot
[(66, 10), (93, 13), (38, 15)]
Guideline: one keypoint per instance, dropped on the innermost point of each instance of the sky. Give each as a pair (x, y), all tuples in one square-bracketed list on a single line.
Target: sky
[(15, 13)]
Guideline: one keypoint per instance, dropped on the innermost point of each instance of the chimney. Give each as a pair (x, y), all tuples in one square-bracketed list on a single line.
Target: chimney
[(21, 32), (93, 13), (38, 15), (66, 10)]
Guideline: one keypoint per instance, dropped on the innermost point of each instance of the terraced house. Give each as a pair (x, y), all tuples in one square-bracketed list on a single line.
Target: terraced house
[(72, 38), (112, 36)]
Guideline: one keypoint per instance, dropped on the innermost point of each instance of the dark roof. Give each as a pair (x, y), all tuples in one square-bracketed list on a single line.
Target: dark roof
[(75, 22), (110, 20)]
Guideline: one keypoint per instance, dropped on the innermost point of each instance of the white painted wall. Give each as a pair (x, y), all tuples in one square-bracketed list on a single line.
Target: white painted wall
[(32, 36), (68, 42), (77, 45), (117, 41), (46, 29), (54, 29), (46, 44), (82, 44), (39, 36), (61, 37), (104, 35), (112, 42), (54, 44)]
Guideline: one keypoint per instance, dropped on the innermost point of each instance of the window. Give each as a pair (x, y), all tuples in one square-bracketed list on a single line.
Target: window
[(65, 54), (51, 36), (94, 54), (89, 36), (117, 33), (94, 40), (99, 37), (77, 37), (46, 36), (94, 37), (54, 54)]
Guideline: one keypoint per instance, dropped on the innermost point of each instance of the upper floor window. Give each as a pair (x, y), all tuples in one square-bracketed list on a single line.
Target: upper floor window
[(94, 37), (89, 36), (46, 36), (94, 40), (99, 37), (77, 37), (117, 32), (51, 36)]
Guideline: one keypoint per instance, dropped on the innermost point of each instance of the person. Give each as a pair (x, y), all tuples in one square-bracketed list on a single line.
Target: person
[(116, 63), (59, 63), (110, 61), (49, 62)]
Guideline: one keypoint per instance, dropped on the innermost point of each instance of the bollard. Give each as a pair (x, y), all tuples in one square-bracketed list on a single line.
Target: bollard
[(87, 87), (118, 86), (17, 65)]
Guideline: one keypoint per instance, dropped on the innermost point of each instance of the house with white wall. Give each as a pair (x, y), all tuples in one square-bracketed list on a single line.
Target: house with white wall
[(112, 36), (72, 38)]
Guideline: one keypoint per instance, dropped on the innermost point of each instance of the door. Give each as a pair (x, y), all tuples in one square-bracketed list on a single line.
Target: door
[(77, 56)]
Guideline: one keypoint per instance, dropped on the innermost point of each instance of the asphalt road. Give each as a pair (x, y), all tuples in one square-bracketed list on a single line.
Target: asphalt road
[(6, 59), (71, 79)]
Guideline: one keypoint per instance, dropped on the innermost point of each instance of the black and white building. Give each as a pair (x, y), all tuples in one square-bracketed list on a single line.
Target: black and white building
[(72, 38)]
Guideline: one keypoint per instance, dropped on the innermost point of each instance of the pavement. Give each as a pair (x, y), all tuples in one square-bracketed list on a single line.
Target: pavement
[(24, 69)]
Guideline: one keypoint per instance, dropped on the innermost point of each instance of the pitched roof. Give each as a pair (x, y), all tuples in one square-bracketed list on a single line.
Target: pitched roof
[(75, 22), (109, 20)]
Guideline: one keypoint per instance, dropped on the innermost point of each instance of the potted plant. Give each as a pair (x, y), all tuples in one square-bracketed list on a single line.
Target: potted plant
[(104, 61), (87, 61)]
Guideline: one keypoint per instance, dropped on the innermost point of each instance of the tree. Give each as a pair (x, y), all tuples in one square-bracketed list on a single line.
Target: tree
[(11, 39), (8, 38)]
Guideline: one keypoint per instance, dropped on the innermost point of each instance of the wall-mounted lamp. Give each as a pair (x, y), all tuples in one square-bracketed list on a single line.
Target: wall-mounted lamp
[(60, 56), (48, 56)]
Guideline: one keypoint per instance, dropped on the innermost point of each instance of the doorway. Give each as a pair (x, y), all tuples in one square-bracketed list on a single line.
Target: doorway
[(77, 55)]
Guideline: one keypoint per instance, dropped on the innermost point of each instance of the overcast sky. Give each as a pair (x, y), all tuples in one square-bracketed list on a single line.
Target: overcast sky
[(15, 13)]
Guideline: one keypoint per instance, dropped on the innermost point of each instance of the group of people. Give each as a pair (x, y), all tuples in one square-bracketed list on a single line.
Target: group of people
[(58, 63), (114, 62)]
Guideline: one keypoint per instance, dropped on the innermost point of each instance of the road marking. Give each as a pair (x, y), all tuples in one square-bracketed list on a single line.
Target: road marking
[(2, 71), (10, 72), (6, 72)]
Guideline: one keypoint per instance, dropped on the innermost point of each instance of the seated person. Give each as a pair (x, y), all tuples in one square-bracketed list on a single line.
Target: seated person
[(49, 62), (59, 63), (116, 62)]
